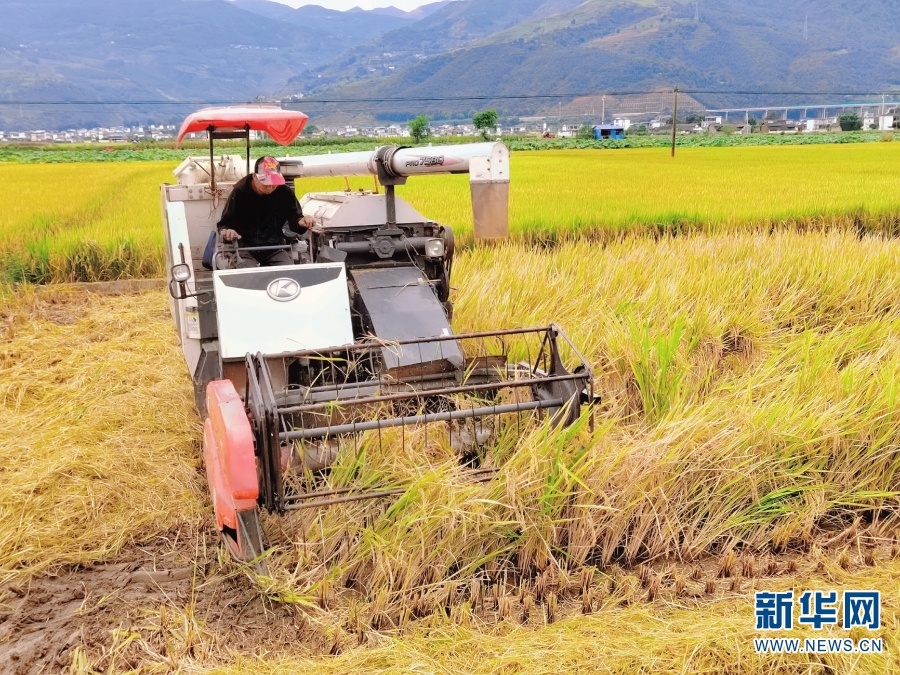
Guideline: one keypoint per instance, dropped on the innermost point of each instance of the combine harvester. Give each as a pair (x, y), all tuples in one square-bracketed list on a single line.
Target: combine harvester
[(293, 364)]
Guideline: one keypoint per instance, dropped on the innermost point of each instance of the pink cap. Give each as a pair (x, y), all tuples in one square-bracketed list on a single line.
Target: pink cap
[(268, 172)]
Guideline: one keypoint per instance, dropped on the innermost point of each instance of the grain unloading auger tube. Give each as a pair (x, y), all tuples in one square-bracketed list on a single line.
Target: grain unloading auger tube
[(486, 163), (296, 366)]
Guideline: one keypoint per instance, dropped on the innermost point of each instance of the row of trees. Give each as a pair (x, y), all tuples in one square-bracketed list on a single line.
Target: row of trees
[(483, 121), (487, 120)]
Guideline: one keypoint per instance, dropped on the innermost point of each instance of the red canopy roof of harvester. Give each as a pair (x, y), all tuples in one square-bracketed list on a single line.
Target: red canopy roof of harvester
[(282, 125)]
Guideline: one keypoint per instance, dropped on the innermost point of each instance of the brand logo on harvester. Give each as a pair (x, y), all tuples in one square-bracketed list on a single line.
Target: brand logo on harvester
[(775, 612), (283, 290)]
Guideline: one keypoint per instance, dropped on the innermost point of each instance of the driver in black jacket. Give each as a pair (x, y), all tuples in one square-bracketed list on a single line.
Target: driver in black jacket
[(257, 209)]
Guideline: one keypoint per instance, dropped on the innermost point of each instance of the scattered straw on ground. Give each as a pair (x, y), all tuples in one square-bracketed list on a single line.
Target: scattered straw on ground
[(98, 444)]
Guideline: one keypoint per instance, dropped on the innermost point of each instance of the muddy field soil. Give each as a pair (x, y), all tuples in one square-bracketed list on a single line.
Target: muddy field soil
[(164, 604)]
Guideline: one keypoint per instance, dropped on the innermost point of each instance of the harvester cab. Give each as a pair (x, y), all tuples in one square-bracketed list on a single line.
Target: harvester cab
[(294, 364)]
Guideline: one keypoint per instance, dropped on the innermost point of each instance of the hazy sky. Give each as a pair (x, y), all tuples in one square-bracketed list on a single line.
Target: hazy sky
[(405, 5)]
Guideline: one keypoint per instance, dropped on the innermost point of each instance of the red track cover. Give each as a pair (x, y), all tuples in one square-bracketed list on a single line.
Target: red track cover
[(228, 452), (282, 125)]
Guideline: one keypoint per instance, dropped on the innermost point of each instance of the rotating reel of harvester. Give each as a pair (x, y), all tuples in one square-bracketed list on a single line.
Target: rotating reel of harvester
[(295, 364)]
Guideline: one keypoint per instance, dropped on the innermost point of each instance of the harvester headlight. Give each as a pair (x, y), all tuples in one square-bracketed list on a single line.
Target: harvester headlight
[(181, 272), (434, 248)]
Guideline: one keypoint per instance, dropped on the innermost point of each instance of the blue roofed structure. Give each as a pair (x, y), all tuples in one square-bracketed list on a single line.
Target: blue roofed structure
[(609, 131)]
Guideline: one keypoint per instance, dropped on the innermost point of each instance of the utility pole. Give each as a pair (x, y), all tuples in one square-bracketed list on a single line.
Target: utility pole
[(674, 120), (603, 110)]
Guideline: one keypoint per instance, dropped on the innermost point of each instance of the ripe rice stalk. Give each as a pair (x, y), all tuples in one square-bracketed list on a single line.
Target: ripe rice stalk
[(798, 193), (655, 371), (761, 448), (818, 188), (58, 211)]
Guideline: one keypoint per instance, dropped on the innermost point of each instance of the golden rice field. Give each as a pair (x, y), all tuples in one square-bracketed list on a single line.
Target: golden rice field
[(747, 440), (87, 222)]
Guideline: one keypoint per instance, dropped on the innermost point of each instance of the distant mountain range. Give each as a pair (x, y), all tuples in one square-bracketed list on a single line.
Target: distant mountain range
[(630, 45), (105, 52), (98, 51)]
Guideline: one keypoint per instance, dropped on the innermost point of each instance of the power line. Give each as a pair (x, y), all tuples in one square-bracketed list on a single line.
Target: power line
[(779, 93), (439, 99)]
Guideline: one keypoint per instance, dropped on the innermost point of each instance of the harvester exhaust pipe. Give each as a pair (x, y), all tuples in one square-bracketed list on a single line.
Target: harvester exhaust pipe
[(486, 163)]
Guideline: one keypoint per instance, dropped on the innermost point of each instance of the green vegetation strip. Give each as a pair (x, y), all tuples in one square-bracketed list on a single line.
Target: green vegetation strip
[(151, 152)]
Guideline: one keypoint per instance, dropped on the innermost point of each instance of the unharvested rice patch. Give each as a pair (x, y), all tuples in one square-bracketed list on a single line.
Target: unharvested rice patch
[(70, 222)]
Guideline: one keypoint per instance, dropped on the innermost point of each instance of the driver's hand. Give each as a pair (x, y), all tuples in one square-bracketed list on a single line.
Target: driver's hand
[(308, 222), (229, 235)]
